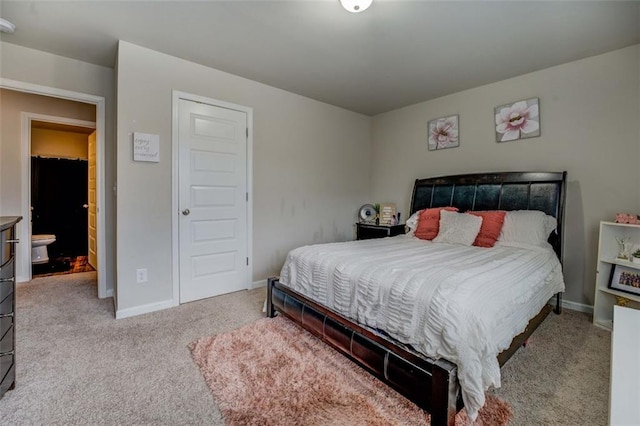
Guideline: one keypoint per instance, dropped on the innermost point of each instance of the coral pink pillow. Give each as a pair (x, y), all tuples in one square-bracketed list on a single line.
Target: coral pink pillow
[(492, 222), (429, 222)]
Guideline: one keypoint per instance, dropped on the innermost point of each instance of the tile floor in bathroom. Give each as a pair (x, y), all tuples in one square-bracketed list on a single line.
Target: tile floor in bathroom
[(62, 265)]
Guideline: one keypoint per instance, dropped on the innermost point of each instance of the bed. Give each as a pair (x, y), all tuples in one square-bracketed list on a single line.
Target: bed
[(432, 382)]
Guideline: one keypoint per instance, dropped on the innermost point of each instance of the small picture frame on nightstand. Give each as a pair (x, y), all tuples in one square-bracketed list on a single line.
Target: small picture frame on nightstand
[(387, 214)]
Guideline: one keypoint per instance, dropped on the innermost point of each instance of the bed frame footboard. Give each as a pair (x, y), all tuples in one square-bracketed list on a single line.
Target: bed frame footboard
[(430, 384)]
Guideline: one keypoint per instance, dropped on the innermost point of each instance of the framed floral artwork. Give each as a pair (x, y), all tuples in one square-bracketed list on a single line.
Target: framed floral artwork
[(443, 133), (519, 120)]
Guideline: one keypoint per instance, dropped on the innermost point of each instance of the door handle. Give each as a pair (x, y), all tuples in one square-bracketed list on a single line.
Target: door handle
[(186, 212), (86, 206)]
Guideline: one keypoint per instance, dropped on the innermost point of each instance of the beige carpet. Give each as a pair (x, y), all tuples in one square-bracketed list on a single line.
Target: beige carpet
[(77, 365), (562, 376), (273, 372)]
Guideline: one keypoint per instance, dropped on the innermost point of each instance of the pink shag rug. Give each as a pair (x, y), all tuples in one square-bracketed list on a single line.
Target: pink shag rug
[(272, 372)]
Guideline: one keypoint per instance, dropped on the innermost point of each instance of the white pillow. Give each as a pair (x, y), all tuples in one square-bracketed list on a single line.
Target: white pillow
[(412, 222), (458, 228), (527, 227)]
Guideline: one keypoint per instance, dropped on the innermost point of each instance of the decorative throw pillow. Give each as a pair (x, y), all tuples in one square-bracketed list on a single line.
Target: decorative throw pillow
[(412, 222), (458, 228), (527, 227), (429, 222), (492, 222)]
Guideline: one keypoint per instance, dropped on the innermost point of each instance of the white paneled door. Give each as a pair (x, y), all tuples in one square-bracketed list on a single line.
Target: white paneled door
[(212, 173)]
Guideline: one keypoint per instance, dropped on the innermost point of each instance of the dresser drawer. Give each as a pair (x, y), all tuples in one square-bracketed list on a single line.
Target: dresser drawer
[(5, 324), (6, 342), (6, 362), (7, 270), (6, 248), (6, 273), (6, 305), (8, 381)]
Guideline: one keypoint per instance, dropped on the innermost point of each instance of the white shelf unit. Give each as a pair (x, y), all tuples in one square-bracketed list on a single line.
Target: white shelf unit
[(624, 392), (608, 248)]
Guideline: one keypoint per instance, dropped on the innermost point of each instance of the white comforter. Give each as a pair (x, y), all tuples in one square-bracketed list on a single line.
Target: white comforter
[(464, 304)]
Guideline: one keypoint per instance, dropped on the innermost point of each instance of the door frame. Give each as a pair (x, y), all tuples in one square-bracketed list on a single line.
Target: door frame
[(175, 145), (25, 135), (23, 260)]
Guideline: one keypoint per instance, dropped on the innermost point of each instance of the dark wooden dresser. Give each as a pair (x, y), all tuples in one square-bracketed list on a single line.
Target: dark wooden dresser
[(8, 241)]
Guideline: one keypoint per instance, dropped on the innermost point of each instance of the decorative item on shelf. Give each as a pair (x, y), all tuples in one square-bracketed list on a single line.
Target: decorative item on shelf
[(387, 214), (367, 213), (625, 279), (622, 247), (629, 218), (622, 301), (635, 256)]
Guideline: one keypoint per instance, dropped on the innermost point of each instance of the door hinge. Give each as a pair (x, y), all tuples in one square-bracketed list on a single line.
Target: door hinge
[(247, 261), (247, 132), (247, 197)]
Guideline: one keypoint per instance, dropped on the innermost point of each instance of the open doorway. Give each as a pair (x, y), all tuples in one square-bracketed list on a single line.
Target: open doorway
[(63, 189), (20, 201)]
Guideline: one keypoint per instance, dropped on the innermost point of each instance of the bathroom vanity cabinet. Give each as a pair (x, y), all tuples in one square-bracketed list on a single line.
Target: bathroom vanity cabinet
[(8, 242)]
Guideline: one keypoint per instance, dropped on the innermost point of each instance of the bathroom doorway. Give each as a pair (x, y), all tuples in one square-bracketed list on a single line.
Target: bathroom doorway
[(62, 190)]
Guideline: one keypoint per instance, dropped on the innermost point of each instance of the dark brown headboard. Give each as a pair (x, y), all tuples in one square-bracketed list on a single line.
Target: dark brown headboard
[(544, 191)]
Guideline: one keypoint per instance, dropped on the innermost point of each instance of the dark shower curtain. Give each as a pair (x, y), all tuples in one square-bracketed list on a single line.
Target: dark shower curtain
[(58, 196)]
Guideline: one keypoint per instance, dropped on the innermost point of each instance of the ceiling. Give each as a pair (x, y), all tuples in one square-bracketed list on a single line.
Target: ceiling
[(394, 54)]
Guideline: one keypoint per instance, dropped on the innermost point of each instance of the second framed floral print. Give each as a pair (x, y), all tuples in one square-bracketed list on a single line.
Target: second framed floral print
[(518, 120)]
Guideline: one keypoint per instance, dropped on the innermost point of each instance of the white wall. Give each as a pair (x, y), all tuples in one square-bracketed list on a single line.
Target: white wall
[(12, 105), (589, 124), (37, 67), (310, 169), (59, 143), (312, 161)]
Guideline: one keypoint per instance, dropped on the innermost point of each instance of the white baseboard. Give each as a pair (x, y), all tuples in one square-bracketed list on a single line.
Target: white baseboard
[(574, 306), (21, 279), (144, 309), (257, 284), (580, 307)]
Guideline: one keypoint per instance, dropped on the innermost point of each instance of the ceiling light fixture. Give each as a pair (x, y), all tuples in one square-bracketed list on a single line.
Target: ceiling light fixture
[(356, 6), (6, 26)]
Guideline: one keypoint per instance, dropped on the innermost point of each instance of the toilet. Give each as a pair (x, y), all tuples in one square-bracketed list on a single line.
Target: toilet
[(39, 245)]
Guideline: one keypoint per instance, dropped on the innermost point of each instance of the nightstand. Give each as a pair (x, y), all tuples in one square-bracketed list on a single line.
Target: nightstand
[(367, 231)]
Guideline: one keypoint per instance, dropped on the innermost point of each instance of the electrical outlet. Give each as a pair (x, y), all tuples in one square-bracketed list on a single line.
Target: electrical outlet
[(141, 275)]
